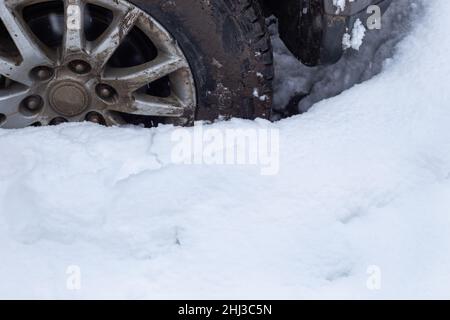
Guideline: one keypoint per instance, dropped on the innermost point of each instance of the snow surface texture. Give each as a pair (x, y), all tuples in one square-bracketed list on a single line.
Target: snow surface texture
[(364, 185)]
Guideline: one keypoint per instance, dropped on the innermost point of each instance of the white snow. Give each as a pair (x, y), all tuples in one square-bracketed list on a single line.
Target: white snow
[(356, 38), (257, 95), (340, 5), (294, 79), (364, 185)]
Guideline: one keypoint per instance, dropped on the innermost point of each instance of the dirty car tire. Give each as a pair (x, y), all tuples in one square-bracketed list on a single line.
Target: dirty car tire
[(228, 48)]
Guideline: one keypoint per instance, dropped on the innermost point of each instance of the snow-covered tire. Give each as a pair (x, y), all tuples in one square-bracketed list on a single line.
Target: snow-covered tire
[(229, 50)]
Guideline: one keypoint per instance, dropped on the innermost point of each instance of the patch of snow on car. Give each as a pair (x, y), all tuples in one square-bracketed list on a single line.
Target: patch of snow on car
[(355, 39), (340, 5)]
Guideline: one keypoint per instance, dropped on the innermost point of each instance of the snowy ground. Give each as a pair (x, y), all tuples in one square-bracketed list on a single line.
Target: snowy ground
[(361, 202)]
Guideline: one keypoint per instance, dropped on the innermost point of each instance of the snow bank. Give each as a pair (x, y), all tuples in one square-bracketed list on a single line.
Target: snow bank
[(364, 185)]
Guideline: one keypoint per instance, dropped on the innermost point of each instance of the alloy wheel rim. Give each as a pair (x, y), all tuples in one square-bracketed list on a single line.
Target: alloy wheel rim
[(76, 80)]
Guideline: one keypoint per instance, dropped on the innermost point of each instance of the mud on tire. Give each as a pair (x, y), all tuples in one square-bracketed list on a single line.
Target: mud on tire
[(228, 47)]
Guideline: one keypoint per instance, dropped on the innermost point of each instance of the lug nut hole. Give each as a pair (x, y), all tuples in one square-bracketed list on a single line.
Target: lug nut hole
[(95, 117), (2, 118), (31, 105), (42, 73), (80, 67), (57, 121), (106, 93)]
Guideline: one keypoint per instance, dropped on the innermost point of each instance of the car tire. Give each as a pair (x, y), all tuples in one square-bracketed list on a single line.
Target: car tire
[(229, 51)]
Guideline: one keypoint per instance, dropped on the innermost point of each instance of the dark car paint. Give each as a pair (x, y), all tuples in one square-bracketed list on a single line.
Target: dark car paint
[(313, 29)]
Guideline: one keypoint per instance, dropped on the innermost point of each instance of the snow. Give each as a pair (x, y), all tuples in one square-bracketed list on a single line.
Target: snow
[(356, 38), (340, 5), (359, 208)]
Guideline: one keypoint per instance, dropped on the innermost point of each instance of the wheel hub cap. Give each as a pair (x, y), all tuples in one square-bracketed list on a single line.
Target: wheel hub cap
[(69, 98)]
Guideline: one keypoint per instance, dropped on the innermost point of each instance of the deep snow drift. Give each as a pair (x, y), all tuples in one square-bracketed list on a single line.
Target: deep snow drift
[(364, 185)]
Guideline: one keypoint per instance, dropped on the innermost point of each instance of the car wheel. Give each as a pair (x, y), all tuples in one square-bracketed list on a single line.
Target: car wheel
[(132, 62)]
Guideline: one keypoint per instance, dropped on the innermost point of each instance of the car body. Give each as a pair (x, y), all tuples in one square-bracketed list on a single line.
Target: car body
[(313, 29)]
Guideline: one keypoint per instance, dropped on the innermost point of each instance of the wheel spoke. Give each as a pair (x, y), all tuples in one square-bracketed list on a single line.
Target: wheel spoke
[(10, 99), (17, 120), (107, 44), (12, 71), (146, 105), (29, 46), (74, 38), (134, 78), (113, 120)]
